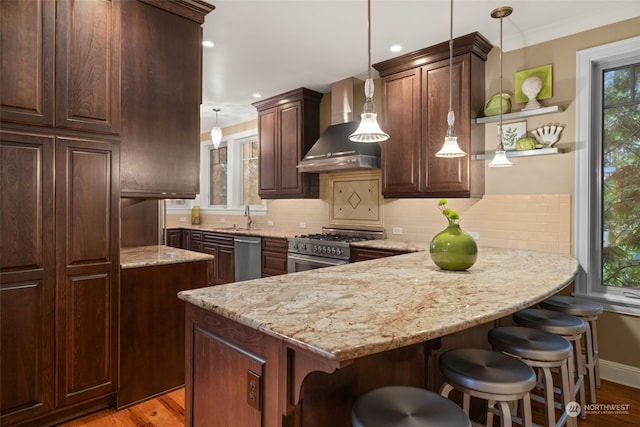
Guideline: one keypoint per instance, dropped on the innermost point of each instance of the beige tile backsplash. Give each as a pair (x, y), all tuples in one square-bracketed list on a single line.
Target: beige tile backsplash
[(534, 221)]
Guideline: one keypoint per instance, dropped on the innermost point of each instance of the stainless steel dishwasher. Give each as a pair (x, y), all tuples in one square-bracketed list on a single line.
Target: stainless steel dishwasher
[(248, 257)]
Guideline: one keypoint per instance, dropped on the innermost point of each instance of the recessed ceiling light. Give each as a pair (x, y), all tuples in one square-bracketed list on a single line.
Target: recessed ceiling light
[(257, 95), (395, 48), (208, 43)]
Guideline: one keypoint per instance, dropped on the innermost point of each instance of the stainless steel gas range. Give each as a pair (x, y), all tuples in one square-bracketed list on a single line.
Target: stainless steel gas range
[(331, 247)]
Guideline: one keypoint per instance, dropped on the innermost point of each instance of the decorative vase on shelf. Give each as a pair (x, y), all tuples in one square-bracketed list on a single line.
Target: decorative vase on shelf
[(492, 107), (452, 248)]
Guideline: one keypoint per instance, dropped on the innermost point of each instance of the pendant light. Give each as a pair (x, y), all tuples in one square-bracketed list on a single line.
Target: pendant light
[(216, 132), (368, 131), (500, 160), (450, 148)]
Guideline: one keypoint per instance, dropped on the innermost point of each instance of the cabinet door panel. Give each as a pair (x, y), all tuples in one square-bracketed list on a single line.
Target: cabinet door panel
[(161, 113), (268, 166), (445, 175), (87, 332), (88, 58), (291, 140), (87, 268), (27, 57), (26, 277), (26, 338), (25, 191), (401, 116), (226, 265), (222, 362), (89, 215)]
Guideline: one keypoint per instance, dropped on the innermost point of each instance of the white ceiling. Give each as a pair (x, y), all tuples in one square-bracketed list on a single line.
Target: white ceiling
[(273, 46)]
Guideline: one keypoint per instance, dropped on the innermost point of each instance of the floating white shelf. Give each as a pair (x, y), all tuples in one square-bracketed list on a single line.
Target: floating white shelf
[(519, 115), (525, 153)]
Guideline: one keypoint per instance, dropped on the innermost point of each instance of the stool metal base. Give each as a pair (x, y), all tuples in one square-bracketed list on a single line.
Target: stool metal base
[(589, 312)]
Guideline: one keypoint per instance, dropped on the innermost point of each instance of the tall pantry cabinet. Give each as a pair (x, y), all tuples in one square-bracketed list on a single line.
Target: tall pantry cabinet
[(59, 195), (61, 140)]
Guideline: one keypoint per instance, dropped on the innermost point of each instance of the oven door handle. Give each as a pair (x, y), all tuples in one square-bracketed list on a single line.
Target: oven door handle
[(315, 260)]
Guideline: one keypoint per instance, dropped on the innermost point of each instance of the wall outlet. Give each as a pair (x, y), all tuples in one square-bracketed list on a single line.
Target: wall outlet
[(396, 230), (183, 219), (474, 234), (222, 219), (303, 225), (270, 223)]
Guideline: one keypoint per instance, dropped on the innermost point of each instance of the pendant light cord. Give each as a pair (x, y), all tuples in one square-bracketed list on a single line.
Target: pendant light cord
[(451, 58), (500, 145), (369, 38)]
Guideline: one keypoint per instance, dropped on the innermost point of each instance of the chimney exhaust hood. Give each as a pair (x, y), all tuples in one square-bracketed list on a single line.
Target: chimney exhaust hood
[(333, 151)]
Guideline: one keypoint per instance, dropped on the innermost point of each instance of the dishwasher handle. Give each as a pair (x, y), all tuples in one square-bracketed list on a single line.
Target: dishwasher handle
[(252, 242)]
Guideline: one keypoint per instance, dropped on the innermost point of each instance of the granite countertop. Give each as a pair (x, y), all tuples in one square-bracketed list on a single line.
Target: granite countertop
[(353, 310), (145, 256)]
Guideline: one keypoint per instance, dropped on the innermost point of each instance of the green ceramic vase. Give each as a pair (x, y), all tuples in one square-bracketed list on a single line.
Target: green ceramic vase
[(453, 249)]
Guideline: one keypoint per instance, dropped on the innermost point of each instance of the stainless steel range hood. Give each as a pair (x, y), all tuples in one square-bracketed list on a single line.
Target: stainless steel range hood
[(333, 151)]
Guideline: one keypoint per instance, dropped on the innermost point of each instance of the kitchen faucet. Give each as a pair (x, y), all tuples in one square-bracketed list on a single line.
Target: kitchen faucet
[(247, 213)]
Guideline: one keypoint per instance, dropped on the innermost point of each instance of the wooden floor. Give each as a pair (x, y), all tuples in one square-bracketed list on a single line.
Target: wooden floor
[(168, 411)]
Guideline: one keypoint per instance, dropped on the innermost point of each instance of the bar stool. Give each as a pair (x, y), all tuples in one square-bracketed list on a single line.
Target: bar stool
[(589, 312), (406, 406), (569, 327), (495, 377), (544, 351)]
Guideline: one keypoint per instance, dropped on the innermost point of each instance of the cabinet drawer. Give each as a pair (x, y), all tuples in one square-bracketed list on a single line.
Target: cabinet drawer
[(274, 244), (196, 236), (218, 239)]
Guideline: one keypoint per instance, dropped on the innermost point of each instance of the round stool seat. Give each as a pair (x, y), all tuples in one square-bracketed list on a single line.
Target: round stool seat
[(406, 406), (530, 343), (572, 305), (554, 322), (486, 371)]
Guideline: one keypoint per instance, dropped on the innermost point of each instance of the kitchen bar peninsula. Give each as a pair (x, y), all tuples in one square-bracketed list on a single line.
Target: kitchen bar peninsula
[(296, 350)]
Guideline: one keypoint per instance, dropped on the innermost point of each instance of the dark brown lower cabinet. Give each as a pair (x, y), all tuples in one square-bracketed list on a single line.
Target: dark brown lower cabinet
[(364, 254), (152, 328), (222, 248), (58, 276), (274, 256)]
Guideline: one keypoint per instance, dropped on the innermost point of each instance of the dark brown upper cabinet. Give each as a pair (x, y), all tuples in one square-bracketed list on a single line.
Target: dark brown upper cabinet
[(288, 125), (161, 86), (61, 64), (415, 103)]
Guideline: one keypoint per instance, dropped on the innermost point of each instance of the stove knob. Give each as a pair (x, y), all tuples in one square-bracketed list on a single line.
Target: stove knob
[(295, 246), (303, 246), (338, 251), (333, 250), (324, 249)]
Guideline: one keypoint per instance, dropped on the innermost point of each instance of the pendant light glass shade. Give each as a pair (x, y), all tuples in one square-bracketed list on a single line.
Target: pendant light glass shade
[(216, 132), (450, 148), (500, 160), (369, 130)]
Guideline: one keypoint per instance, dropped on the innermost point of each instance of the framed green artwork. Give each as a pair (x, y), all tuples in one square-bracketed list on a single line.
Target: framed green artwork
[(544, 73)]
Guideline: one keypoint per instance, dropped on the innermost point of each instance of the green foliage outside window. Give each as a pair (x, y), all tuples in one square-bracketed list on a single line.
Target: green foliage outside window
[(621, 178)]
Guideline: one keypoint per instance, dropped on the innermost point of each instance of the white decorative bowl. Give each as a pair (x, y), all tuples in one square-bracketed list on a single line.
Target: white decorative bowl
[(547, 135)]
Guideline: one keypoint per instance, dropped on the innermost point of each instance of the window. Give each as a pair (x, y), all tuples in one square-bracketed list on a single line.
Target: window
[(229, 175), (607, 233)]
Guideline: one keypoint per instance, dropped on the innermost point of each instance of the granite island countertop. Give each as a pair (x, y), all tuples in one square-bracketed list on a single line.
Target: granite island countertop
[(354, 310), (145, 256)]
